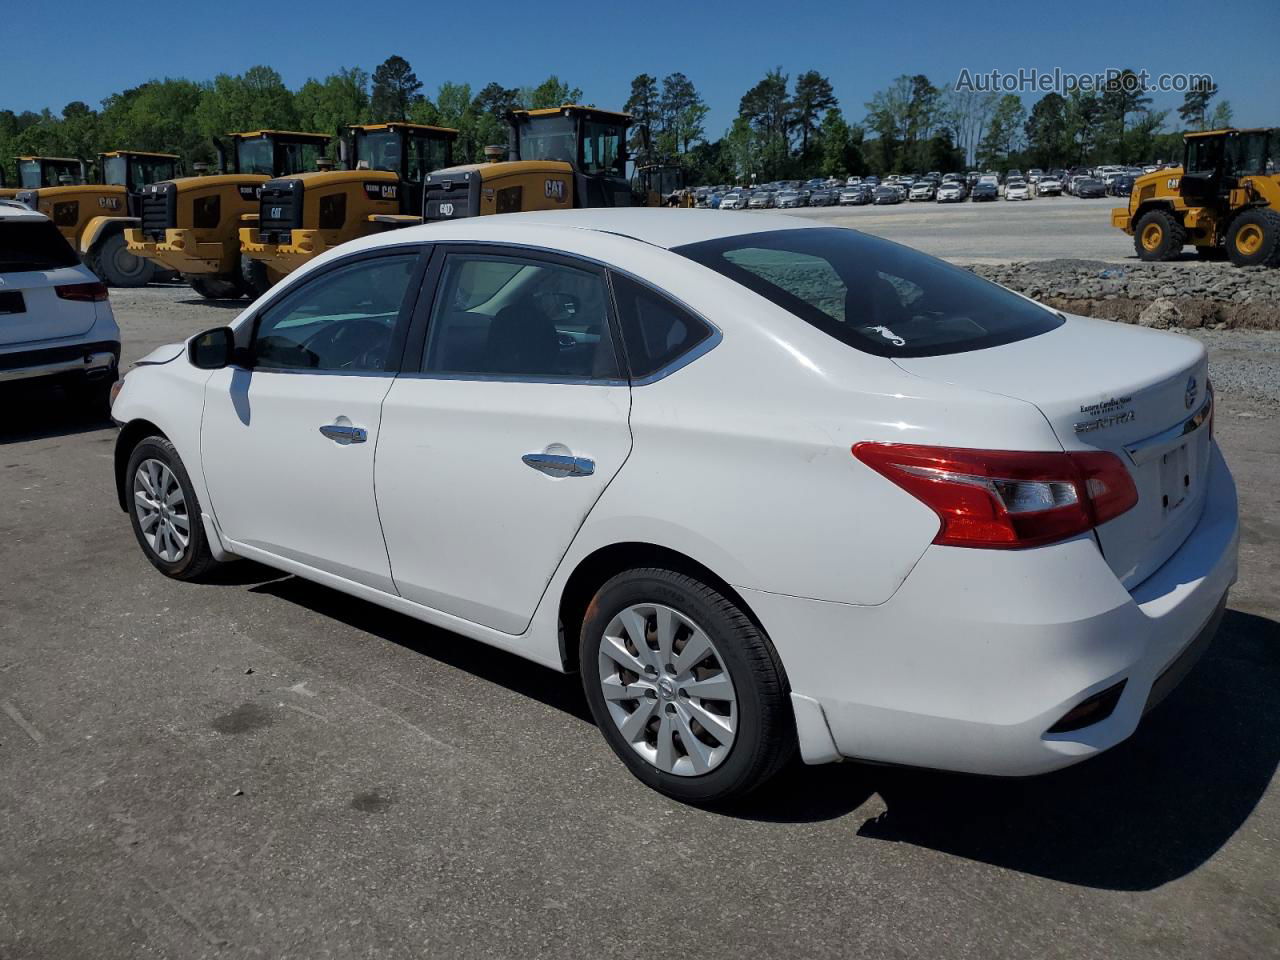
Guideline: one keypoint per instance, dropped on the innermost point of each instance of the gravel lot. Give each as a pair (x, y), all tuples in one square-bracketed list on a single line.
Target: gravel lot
[(259, 767)]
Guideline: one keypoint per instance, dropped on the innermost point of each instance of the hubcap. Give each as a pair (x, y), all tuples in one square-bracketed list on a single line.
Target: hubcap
[(1249, 240), (1151, 236), (162, 510), (668, 690)]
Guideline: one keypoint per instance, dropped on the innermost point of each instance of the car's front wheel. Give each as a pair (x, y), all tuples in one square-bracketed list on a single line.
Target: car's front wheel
[(164, 511), (686, 688)]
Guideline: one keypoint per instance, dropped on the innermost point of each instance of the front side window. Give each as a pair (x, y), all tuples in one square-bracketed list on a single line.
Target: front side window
[(1204, 154), (115, 171), (296, 158), (29, 174), (425, 155), (874, 295), (148, 170), (602, 148), (514, 318), (342, 321), (1251, 155)]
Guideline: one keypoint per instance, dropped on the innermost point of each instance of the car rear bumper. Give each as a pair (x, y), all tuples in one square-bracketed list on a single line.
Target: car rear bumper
[(981, 652), (90, 360)]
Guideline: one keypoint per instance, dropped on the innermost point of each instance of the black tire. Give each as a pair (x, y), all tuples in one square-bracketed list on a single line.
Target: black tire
[(217, 288), (765, 738), (1158, 236), (253, 277), (112, 261), (197, 559), (1253, 239)]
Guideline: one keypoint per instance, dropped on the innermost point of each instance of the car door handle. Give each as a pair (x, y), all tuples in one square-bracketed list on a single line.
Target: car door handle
[(344, 433), (560, 465)]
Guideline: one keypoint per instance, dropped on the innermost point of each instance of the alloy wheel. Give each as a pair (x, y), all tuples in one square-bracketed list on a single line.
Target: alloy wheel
[(668, 690), (161, 508)]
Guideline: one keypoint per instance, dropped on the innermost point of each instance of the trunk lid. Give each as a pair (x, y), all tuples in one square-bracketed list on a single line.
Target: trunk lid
[(42, 314), (1140, 394)]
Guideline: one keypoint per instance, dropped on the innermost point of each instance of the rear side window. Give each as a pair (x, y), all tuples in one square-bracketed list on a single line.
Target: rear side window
[(874, 295), (31, 244), (655, 331)]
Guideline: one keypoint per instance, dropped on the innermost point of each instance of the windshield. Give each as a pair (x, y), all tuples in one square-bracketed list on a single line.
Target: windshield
[(29, 174), (874, 295), (275, 158), (114, 170), (1251, 154), (255, 156), (378, 151), (548, 138), (33, 244), (139, 173)]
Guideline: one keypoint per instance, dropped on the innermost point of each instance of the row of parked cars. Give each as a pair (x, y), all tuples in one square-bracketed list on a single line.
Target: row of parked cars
[(930, 187)]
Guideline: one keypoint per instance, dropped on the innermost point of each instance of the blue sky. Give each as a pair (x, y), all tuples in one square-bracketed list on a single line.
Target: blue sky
[(723, 48)]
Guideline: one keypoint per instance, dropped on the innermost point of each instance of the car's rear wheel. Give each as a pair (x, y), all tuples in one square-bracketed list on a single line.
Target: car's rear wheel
[(164, 511), (685, 687)]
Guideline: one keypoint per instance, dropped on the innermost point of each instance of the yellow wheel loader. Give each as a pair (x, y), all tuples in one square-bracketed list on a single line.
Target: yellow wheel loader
[(37, 172), (557, 158), (94, 216), (303, 215), (1224, 200), (661, 185), (192, 224)]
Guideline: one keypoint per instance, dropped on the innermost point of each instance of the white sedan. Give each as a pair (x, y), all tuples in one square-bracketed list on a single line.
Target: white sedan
[(767, 485)]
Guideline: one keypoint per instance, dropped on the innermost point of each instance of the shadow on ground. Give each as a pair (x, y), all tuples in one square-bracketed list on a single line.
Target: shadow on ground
[(37, 411), (1151, 810)]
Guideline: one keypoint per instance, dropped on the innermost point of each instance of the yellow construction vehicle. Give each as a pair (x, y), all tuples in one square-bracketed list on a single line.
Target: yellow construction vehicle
[(557, 158), (303, 215), (192, 224), (1224, 199), (36, 172), (660, 185), (94, 216)]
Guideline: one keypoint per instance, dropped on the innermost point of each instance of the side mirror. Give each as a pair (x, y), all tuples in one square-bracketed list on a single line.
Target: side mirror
[(213, 349)]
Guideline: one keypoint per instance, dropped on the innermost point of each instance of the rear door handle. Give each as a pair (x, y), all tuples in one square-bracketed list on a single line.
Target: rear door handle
[(560, 465), (344, 433)]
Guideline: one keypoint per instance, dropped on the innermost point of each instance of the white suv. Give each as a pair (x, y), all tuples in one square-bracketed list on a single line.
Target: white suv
[(55, 319)]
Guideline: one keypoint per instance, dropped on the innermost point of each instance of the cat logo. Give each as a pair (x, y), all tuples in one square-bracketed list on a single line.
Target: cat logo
[(277, 213), (554, 190), (109, 203), (446, 209), (382, 191), (1173, 183)]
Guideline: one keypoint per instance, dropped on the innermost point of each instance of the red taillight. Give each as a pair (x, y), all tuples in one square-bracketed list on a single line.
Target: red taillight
[(1006, 499), (82, 291)]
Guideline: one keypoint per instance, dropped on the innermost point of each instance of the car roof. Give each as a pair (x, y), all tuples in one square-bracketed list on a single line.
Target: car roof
[(658, 226)]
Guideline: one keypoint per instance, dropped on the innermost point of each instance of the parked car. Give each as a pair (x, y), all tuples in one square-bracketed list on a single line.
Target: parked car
[(1049, 186), (760, 200), (1122, 185), (56, 323), (1088, 187), (787, 199), (1025, 572), (984, 189), (1034, 175), (855, 196), (886, 194), (923, 190), (822, 197), (1017, 190), (734, 201), (951, 191)]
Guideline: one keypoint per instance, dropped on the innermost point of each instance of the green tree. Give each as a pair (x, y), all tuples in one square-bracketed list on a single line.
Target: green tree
[(1046, 131), (331, 104), (813, 96), (1006, 128), (551, 92), (253, 100), (1222, 117), (1195, 105), (395, 89), (1084, 117), (682, 112), (642, 104), (767, 110), (491, 106), (835, 143)]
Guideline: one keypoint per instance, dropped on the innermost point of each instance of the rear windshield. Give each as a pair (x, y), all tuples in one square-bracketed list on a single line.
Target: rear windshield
[(874, 295), (33, 245)]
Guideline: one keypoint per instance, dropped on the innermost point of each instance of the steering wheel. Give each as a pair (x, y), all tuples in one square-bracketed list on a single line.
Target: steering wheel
[(360, 344)]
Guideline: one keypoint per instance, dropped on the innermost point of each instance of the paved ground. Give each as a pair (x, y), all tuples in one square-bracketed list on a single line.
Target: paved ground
[(259, 767), (995, 231)]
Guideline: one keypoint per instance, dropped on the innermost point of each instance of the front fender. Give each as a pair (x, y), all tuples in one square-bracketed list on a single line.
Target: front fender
[(99, 228)]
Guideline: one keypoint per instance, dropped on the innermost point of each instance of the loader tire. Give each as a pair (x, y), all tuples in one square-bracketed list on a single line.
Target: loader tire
[(1158, 236), (1253, 239), (253, 277), (116, 266), (217, 288)]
